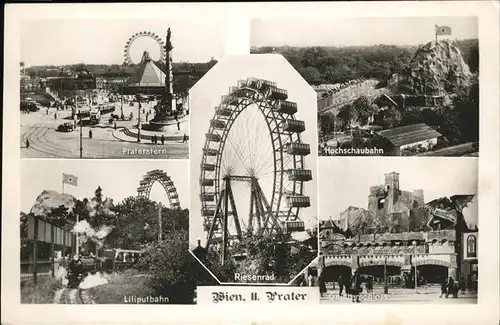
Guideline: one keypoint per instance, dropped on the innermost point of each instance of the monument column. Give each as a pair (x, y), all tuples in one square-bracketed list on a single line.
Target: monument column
[(164, 110), (169, 77)]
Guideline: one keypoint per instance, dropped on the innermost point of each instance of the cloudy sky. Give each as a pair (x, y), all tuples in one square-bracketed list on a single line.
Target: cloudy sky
[(118, 178), (356, 31), (71, 41), (345, 182)]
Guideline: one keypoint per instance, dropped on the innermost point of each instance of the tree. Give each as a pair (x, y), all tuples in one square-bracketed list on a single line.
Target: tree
[(100, 210), (466, 106), (345, 116), (173, 271), (136, 223), (274, 256), (58, 216), (326, 123), (311, 75), (363, 110)]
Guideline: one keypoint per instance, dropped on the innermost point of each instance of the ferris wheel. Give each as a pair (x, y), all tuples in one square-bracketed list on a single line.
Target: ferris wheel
[(155, 37), (253, 146), (147, 182)]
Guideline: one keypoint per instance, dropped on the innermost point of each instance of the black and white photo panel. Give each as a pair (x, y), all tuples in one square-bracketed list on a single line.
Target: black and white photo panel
[(253, 171), (386, 86), (107, 232), (398, 230), (97, 88)]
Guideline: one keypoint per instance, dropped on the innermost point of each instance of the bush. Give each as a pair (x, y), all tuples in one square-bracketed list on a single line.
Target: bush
[(173, 271), (41, 293)]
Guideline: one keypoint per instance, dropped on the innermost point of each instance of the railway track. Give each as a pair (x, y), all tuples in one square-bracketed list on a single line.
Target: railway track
[(71, 296)]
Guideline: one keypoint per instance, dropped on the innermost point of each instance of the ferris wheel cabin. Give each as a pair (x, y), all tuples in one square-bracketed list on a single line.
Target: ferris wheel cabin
[(300, 175), (208, 167), (287, 107), (294, 126), (207, 182), (297, 148), (210, 152), (208, 210), (298, 201), (276, 93), (222, 111), (213, 137), (207, 196), (293, 226), (218, 124)]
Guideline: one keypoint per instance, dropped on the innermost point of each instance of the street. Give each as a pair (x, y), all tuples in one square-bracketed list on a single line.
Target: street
[(45, 142), (429, 294)]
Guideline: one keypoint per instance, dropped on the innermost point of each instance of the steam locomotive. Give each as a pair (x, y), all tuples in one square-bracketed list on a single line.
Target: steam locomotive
[(110, 261)]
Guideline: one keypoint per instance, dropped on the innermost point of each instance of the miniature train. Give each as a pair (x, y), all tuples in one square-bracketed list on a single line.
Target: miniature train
[(110, 261)]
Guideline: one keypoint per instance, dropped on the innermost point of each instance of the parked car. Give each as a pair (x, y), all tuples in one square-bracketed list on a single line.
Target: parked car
[(66, 127)]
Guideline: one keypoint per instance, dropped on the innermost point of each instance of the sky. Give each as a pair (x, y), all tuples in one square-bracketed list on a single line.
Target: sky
[(206, 94), (118, 178), (346, 182), (357, 31), (71, 41)]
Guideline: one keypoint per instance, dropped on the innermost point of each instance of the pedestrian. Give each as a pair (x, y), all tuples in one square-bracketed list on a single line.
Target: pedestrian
[(114, 125), (341, 284), (90, 134), (322, 284), (462, 285), (370, 284), (310, 280), (162, 139), (443, 289), (178, 126), (474, 282), (152, 139), (184, 138), (356, 287), (27, 143), (55, 116), (450, 286)]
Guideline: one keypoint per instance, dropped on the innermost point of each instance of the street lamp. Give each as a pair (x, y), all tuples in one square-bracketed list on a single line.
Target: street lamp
[(414, 243), (81, 143), (139, 116), (386, 288), (121, 101)]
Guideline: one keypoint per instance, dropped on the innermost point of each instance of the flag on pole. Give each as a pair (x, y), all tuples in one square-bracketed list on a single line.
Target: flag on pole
[(443, 30), (70, 179)]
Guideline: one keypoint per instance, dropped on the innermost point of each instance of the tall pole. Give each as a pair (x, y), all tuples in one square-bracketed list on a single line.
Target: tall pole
[(139, 117), (159, 222), (415, 265), (386, 289), (121, 100), (224, 223), (77, 239), (81, 134)]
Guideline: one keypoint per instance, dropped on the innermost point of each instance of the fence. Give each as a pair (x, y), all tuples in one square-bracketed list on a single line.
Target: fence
[(41, 231)]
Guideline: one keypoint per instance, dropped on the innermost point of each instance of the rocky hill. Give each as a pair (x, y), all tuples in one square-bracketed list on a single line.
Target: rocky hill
[(437, 68), (49, 200)]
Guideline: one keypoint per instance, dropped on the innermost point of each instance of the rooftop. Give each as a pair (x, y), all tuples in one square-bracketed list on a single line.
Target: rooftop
[(409, 134)]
